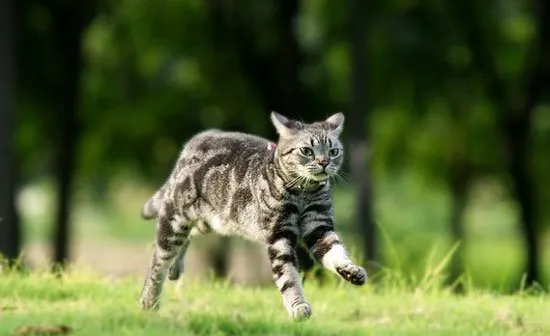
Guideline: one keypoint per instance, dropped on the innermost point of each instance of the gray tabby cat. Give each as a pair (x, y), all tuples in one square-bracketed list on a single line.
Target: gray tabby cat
[(240, 184)]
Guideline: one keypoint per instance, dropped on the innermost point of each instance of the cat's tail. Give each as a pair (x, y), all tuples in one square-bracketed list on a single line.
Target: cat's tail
[(151, 208)]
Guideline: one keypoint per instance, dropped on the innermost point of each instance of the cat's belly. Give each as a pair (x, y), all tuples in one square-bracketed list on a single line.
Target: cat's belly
[(249, 230)]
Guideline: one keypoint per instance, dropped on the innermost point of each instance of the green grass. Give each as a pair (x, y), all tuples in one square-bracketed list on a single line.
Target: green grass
[(92, 305)]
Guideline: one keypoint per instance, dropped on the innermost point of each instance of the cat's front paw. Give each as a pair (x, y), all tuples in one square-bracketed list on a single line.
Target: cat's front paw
[(301, 311), (354, 274)]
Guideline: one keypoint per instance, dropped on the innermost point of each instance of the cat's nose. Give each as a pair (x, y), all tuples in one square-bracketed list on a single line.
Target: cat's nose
[(323, 161)]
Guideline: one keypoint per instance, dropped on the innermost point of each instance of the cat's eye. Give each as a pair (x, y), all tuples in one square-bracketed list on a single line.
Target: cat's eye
[(333, 152), (306, 151)]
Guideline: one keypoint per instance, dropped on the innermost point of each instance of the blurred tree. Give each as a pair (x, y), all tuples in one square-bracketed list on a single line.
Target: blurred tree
[(70, 20), (517, 126), (10, 234), (515, 98), (58, 24), (447, 80), (358, 137), (427, 121), (438, 120)]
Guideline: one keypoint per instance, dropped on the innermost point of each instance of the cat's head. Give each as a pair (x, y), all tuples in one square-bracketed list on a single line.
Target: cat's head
[(313, 151)]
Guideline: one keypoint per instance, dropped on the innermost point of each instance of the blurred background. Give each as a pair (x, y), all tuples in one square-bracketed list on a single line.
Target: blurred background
[(447, 121)]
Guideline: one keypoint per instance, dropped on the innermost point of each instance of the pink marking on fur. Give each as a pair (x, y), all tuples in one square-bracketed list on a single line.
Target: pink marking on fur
[(271, 146)]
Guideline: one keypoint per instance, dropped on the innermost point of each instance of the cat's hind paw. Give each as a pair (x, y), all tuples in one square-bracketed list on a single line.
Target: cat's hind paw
[(174, 272), (301, 311)]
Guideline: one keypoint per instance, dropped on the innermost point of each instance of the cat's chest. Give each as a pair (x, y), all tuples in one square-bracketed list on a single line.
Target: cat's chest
[(304, 202), (302, 209), (301, 206)]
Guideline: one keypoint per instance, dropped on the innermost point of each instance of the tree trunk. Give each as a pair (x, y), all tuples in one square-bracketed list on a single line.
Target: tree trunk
[(276, 76), (10, 234), (219, 257), (516, 125), (517, 136), (70, 22), (66, 151), (357, 130), (291, 92)]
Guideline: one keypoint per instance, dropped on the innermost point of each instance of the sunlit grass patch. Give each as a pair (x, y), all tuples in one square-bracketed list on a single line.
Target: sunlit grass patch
[(93, 305)]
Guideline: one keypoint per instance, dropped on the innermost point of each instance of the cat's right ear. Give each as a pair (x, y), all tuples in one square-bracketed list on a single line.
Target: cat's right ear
[(283, 125)]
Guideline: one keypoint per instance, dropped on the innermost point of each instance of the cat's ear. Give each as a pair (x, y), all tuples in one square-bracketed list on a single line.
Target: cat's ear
[(336, 123), (285, 127)]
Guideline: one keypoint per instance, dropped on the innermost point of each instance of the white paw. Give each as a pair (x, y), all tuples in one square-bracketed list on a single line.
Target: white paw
[(352, 273)]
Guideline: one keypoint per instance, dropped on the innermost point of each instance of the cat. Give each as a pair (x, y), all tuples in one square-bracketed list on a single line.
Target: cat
[(243, 185)]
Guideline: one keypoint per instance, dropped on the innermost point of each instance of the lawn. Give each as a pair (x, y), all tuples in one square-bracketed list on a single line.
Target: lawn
[(90, 304)]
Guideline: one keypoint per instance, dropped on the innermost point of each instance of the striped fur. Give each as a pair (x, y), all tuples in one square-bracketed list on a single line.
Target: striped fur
[(243, 185)]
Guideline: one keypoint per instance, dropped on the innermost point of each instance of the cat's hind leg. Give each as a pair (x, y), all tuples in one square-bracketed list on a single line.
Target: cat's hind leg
[(172, 233), (177, 267)]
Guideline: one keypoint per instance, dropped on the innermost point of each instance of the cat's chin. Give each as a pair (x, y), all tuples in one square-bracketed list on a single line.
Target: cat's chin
[(320, 177)]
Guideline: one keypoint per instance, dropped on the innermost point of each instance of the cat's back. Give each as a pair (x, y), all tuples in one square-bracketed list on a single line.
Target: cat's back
[(225, 143)]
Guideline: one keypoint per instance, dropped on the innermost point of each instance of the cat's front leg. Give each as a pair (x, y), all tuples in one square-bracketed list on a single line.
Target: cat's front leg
[(326, 246), (284, 265)]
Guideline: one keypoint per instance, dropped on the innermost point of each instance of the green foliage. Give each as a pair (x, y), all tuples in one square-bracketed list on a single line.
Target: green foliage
[(158, 71)]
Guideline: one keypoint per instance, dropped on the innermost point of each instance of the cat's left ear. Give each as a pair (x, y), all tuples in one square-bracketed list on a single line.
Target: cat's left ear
[(285, 127), (336, 123)]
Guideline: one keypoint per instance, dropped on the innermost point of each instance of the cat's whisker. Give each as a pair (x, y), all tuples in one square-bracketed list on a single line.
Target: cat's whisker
[(343, 174), (303, 181), (339, 179), (296, 181)]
